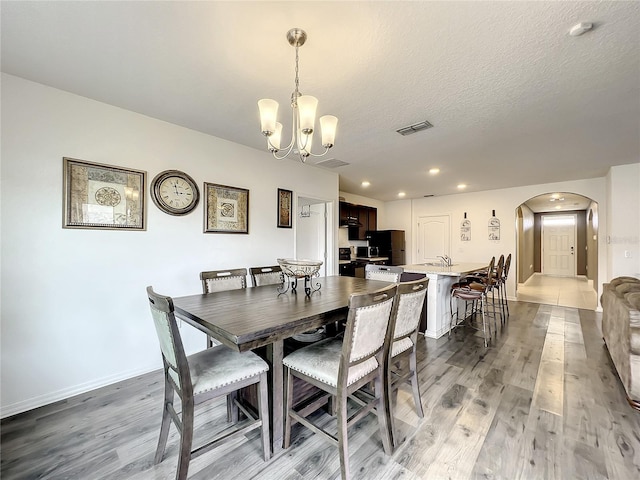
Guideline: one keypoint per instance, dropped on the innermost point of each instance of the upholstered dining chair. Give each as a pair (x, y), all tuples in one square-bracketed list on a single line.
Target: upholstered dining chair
[(222, 280), (382, 272), (266, 275), (340, 368), (403, 357), (203, 376)]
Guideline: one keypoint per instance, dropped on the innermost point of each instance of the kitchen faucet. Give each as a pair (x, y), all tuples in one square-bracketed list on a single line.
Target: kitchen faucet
[(445, 260)]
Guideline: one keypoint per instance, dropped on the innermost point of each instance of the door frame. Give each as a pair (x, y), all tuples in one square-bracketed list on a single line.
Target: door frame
[(330, 233), (575, 239)]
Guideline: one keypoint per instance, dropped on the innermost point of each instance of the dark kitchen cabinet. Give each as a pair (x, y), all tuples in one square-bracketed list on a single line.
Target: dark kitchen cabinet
[(348, 269), (358, 219)]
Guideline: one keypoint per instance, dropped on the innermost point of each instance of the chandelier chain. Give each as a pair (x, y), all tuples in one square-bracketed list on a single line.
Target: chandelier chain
[(296, 92)]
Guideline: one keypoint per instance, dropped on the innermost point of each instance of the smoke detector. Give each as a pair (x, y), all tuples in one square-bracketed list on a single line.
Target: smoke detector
[(580, 28)]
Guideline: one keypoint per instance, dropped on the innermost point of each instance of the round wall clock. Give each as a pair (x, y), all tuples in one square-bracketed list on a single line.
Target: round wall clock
[(174, 192)]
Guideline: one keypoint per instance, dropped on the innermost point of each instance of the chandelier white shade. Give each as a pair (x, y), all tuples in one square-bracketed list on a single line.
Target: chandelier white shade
[(303, 117)]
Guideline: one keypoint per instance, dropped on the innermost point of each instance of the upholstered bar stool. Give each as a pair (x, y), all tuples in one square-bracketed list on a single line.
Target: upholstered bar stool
[(403, 357), (383, 273), (206, 375), (266, 275), (222, 280), (341, 368)]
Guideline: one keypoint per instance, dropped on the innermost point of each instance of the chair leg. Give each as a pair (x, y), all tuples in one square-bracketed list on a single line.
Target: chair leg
[(166, 422), (343, 447), (484, 327), (288, 405), (383, 410), (263, 408), (392, 397), (506, 298), (414, 382), (186, 439), (232, 408)]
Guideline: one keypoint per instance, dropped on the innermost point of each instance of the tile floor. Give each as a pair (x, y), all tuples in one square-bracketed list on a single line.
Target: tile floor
[(576, 292)]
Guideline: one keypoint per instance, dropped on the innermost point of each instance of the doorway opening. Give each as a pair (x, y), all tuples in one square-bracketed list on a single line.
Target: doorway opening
[(556, 236), (313, 235)]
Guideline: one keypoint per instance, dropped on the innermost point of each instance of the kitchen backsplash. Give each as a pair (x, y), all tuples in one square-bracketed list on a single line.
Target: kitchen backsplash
[(343, 240)]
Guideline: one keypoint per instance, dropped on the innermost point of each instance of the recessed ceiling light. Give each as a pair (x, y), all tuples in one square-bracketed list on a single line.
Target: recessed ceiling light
[(462, 186), (558, 207), (433, 171), (365, 184), (401, 194)]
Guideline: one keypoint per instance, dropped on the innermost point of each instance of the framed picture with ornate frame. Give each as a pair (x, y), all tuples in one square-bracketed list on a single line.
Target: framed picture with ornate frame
[(284, 208), (102, 196), (226, 209)]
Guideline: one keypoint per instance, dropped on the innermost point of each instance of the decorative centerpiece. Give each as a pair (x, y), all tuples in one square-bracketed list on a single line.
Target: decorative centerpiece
[(295, 269)]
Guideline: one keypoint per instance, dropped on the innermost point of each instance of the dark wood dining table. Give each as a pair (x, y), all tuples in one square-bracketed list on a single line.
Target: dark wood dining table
[(249, 318)]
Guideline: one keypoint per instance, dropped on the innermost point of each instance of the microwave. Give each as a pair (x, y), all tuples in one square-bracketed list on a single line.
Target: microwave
[(367, 252)]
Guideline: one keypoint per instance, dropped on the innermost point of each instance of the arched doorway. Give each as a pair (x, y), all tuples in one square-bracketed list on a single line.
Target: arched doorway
[(557, 250)]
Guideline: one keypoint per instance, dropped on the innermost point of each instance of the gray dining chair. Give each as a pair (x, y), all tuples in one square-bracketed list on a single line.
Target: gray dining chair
[(403, 357), (206, 375), (220, 281), (266, 275), (340, 368), (382, 272)]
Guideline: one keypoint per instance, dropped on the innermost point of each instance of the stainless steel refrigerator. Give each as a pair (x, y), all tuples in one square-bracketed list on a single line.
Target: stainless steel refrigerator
[(390, 244)]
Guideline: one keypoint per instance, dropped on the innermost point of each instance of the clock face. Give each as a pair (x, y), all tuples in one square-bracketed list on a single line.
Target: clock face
[(174, 192)]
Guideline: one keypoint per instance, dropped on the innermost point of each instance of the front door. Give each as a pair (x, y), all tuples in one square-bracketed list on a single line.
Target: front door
[(558, 245), (433, 238)]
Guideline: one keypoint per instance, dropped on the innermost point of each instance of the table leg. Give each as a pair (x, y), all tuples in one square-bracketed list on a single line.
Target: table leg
[(275, 354)]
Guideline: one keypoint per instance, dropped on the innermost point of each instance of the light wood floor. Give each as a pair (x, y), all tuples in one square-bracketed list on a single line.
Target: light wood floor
[(576, 292), (542, 402)]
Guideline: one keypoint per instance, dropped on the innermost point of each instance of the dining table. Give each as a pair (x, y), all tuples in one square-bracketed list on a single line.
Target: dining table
[(249, 318)]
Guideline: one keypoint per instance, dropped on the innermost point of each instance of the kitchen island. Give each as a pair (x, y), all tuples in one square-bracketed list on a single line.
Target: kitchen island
[(440, 280)]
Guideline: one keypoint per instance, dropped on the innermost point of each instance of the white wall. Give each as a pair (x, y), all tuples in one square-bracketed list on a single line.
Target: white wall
[(74, 310), (623, 228), (479, 206), (403, 215)]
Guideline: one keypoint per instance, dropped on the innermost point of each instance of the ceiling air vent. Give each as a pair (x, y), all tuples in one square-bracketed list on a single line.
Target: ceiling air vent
[(331, 163), (416, 127), (429, 195)]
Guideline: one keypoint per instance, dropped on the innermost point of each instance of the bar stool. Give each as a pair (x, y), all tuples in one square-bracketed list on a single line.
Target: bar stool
[(203, 376), (219, 281), (340, 368), (473, 292)]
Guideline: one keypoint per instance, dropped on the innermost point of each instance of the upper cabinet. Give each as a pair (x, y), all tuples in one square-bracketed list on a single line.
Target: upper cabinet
[(359, 219)]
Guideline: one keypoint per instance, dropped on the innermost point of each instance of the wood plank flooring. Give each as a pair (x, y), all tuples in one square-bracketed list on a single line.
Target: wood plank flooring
[(542, 402)]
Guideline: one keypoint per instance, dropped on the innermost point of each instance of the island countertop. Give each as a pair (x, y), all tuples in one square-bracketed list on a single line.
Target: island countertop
[(455, 270)]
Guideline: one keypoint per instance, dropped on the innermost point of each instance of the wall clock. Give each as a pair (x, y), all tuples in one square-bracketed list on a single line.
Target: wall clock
[(174, 192)]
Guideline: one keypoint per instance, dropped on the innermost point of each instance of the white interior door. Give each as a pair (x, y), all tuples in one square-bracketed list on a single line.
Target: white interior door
[(558, 245), (434, 238)]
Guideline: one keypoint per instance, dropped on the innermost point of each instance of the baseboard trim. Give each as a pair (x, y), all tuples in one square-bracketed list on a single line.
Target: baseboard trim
[(65, 393)]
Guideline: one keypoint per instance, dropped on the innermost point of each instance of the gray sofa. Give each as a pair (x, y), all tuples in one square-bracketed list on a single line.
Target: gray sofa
[(621, 331)]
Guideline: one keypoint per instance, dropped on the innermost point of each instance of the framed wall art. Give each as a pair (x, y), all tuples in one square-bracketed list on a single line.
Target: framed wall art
[(226, 209), (284, 208), (494, 227), (103, 196)]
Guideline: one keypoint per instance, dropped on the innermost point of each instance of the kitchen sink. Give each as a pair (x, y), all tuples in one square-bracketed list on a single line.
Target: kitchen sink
[(438, 264)]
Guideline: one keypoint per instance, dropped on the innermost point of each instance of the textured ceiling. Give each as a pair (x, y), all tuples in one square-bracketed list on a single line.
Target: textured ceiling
[(513, 99)]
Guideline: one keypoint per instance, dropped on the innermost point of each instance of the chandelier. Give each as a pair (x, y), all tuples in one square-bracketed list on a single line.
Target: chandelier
[(303, 119)]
